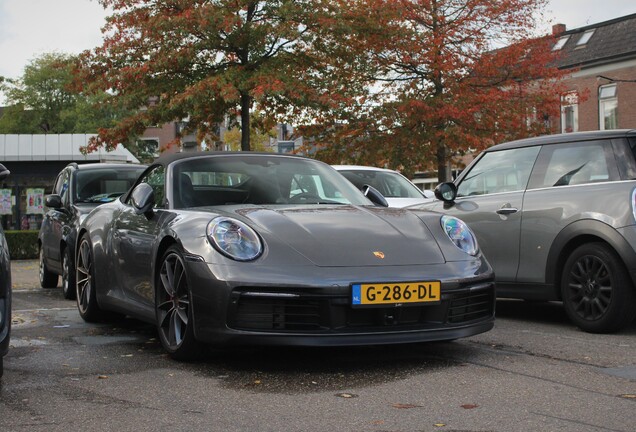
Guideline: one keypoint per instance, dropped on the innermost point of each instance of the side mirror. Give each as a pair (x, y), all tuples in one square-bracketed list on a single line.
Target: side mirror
[(53, 201), (374, 195), (4, 172), (446, 191), (143, 198)]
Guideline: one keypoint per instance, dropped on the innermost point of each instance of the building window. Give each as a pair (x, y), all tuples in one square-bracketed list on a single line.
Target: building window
[(607, 107), (557, 46), (570, 112), (584, 39)]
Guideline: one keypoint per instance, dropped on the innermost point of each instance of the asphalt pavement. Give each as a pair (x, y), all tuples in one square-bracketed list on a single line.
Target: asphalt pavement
[(24, 274), (533, 372)]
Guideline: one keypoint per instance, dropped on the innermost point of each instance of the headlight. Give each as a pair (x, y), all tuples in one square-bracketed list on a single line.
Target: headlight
[(234, 239), (459, 233)]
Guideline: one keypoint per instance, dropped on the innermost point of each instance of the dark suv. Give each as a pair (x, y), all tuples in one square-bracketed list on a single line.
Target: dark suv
[(556, 218), (78, 189)]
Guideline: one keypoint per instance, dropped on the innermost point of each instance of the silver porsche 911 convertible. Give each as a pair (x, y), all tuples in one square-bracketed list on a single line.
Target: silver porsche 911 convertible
[(269, 249)]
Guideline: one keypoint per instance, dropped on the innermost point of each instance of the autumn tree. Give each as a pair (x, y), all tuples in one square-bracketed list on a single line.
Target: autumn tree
[(203, 60), (450, 75)]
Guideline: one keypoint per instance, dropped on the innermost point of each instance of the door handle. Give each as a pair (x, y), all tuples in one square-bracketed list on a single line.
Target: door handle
[(506, 210)]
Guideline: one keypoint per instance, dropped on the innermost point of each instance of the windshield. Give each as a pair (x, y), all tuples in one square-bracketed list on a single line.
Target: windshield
[(259, 179), (103, 185), (389, 184)]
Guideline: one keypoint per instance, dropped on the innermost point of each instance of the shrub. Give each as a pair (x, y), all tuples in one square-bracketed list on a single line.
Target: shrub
[(22, 244)]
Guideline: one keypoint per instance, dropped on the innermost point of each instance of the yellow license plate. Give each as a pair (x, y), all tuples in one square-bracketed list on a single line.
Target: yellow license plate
[(395, 293)]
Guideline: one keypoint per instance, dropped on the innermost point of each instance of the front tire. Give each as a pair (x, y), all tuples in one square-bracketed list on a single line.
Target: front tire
[(598, 294), (173, 308), (68, 276), (47, 279), (85, 283)]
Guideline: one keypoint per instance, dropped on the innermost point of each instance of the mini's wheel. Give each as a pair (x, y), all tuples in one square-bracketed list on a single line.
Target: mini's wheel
[(68, 275), (173, 308), (47, 279), (598, 294)]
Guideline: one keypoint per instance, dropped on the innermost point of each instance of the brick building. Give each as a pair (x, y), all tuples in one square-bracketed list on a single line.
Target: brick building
[(602, 86), (158, 138)]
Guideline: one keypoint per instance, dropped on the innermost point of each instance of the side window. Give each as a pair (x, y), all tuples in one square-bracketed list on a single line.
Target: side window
[(625, 156), (156, 178), (577, 163), (501, 171), (61, 185)]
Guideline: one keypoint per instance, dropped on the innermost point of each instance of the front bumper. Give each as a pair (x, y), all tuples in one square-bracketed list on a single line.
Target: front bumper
[(312, 306)]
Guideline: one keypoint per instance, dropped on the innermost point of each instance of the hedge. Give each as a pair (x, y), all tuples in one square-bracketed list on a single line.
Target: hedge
[(22, 244)]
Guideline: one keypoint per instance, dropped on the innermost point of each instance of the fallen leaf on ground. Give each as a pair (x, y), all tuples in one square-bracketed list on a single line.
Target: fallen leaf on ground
[(346, 395)]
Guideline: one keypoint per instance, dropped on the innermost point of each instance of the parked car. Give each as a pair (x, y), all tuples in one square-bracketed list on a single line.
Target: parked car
[(5, 290), (555, 216), (271, 249), (397, 189), (77, 190)]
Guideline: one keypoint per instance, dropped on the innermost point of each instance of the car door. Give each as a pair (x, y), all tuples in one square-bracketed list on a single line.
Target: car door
[(490, 200), (54, 222), (133, 239), (569, 183)]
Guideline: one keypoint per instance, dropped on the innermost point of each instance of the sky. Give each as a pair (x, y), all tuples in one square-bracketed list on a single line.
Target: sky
[(30, 28)]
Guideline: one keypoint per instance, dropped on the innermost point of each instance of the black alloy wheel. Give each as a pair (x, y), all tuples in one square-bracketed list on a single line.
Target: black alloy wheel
[(173, 308), (85, 283), (598, 294), (68, 276), (47, 279)]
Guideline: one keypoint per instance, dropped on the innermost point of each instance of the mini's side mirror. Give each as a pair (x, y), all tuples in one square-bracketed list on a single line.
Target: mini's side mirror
[(446, 191), (53, 201), (143, 198), (375, 196)]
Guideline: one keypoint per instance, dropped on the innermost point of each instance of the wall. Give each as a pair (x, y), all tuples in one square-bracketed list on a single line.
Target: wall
[(587, 83)]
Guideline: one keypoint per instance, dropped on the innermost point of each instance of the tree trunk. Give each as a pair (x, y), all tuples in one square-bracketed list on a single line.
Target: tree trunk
[(246, 104), (442, 163)]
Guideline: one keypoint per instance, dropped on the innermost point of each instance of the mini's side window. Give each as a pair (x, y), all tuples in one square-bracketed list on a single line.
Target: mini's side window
[(575, 164), (625, 155), (500, 171)]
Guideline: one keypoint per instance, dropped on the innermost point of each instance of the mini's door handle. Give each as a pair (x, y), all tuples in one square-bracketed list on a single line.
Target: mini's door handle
[(506, 210)]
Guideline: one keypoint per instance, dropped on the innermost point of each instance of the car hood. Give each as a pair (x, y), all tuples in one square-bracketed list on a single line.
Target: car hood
[(347, 235)]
